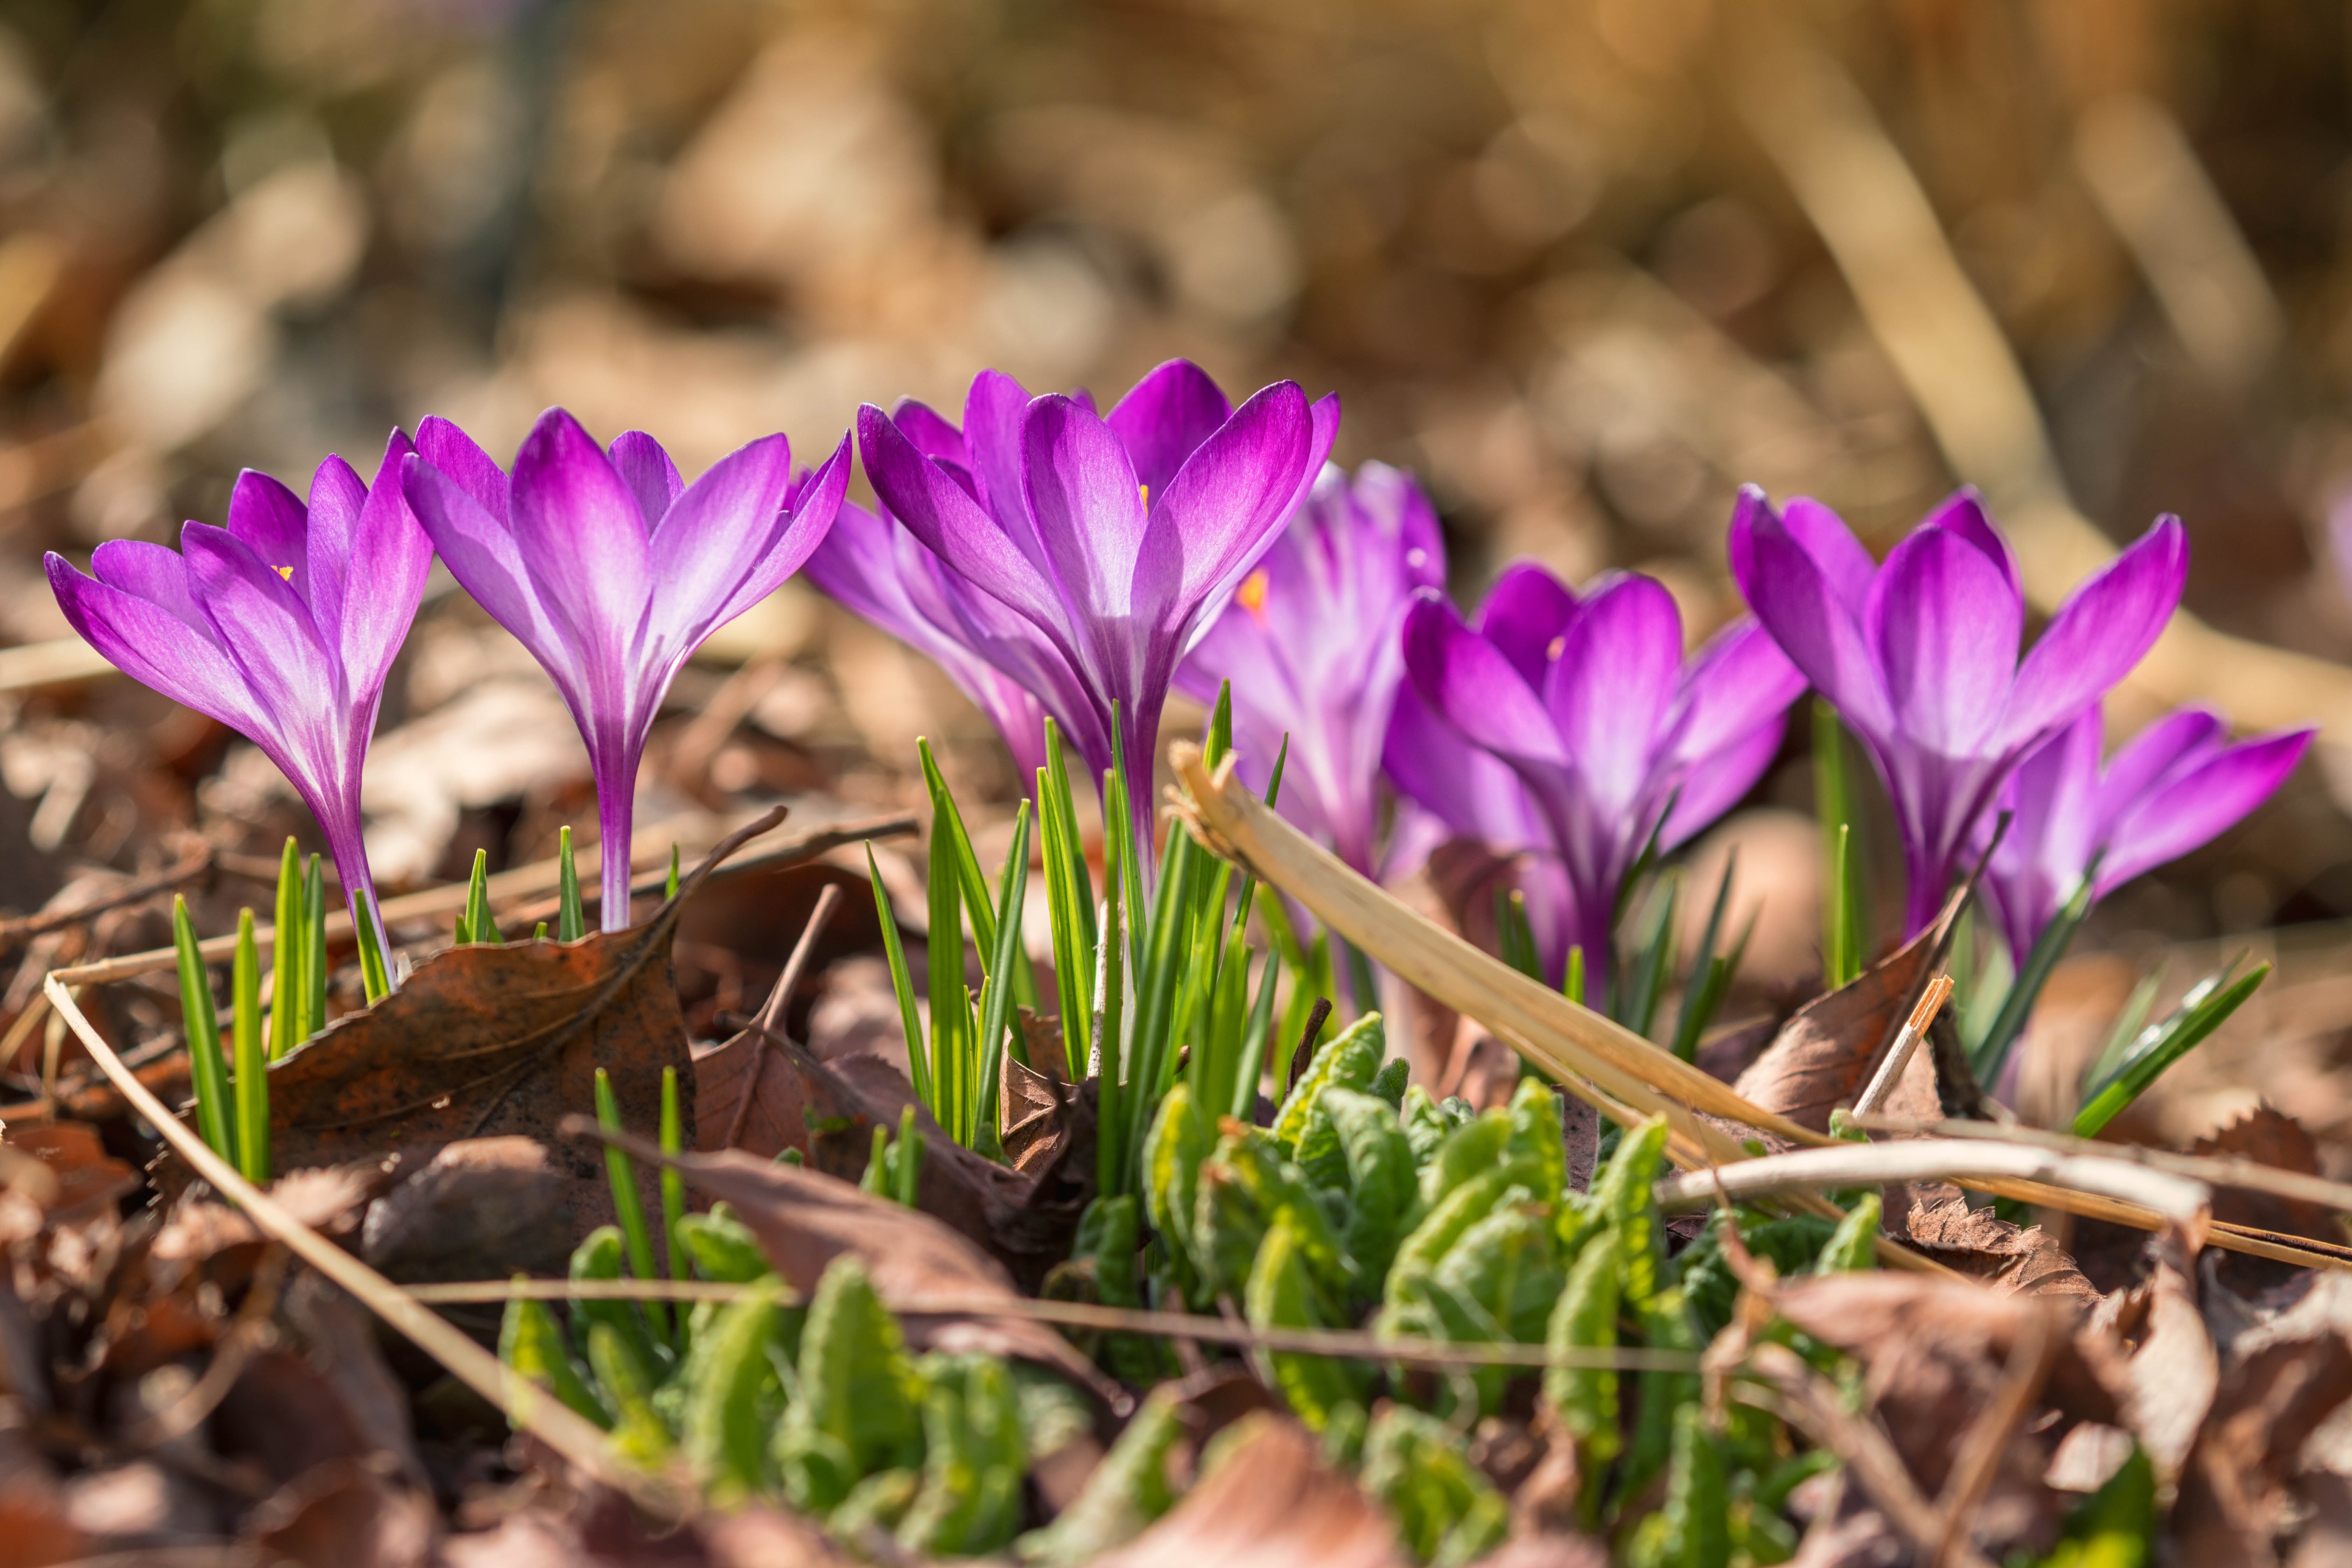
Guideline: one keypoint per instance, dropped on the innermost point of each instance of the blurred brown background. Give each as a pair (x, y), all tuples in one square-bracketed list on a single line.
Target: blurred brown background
[(1585, 265)]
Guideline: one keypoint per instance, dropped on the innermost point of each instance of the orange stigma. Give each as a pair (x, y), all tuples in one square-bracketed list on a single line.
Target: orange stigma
[(1252, 593)]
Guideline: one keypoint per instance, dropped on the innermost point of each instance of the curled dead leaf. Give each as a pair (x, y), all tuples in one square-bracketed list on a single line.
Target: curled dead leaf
[(1268, 1501)]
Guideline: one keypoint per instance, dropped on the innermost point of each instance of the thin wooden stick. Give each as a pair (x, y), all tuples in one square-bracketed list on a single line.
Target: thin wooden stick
[(1931, 1160), (1898, 1056), (525, 1404), (770, 1021)]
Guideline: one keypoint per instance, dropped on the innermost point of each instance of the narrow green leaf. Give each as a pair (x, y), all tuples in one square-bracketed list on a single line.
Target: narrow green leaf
[(629, 1203), (902, 983), (539, 931), (314, 949), (948, 837), (1846, 921), (2126, 1028), (1111, 1165), (1571, 984), (2204, 1010), (252, 1087), (1709, 979), (1006, 960), (479, 925), (376, 979), (2008, 1024), (289, 987), (1654, 960), (673, 1181), (1513, 935), (1254, 1042), (207, 1073), (1134, 853), (571, 912), (949, 1071), (908, 1173), (669, 888)]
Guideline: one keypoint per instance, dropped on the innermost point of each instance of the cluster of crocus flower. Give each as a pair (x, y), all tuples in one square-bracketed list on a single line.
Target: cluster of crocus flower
[(1066, 563)]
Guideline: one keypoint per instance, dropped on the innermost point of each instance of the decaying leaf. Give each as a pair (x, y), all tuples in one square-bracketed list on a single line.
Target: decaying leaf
[(488, 1041), (2173, 1370), (1825, 1054), (1935, 1352), (805, 1218), (2267, 1137), (827, 1110), (1980, 1244), (2233, 1486), (1267, 1501)]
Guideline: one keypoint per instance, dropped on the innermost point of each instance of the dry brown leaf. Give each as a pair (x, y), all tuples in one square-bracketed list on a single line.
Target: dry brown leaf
[(1825, 1054), (2174, 1371), (345, 1515), (485, 1042), (805, 1218), (1934, 1353), (1979, 1243), (1269, 1502), (828, 1111), (87, 1178), (2271, 1137), (2234, 1488)]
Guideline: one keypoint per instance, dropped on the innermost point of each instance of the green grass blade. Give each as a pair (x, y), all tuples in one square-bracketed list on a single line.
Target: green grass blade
[(252, 1084), (1989, 1058), (669, 887), (1846, 919), (629, 1204), (289, 987), (909, 1167), (1070, 892), (479, 925), (1572, 982), (1655, 959), (1111, 1165), (902, 984), (1255, 1041), (673, 1182), (2164, 1045), (1153, 1061), (997, 1013), (207, 1073), (1134, 853), (949, 1071), (1513, 935), (314, 949), (376, 979), (571, 912), (2127, 1028), (1704, 993)]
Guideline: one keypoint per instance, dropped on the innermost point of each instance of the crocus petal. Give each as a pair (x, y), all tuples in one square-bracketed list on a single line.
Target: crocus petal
[(2104, 628), (2181, 739), (451, 450), (2192, 809), (1524, 615), (930, 432), (1083, 494), (267, 629), (1738, 679), (1944, 624), (952, 525), (1716, 782), (271, 520), (648, 472), (714, 538), (1464, 679), (994, 410), (1962, 514), (153, 573), (1164, 417), (152, 645), (1610, 688), (392, 556), (337, 498), (807, 518), (1823, 536), (1235, 493), (1802, 606), (584, 543), (482, 553), (1475, 794)]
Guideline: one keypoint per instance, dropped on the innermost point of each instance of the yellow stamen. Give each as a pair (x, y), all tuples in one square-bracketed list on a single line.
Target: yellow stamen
[(285, 572), (1252, 593), (1145, 491)]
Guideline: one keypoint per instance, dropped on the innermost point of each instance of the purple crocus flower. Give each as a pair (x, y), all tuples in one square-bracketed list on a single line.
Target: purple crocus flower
[(1311, 644), (283, 626), (1920, 656), (2171, 788), (1615, 737), (1117, 537), (612, 570), (874, 566)]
